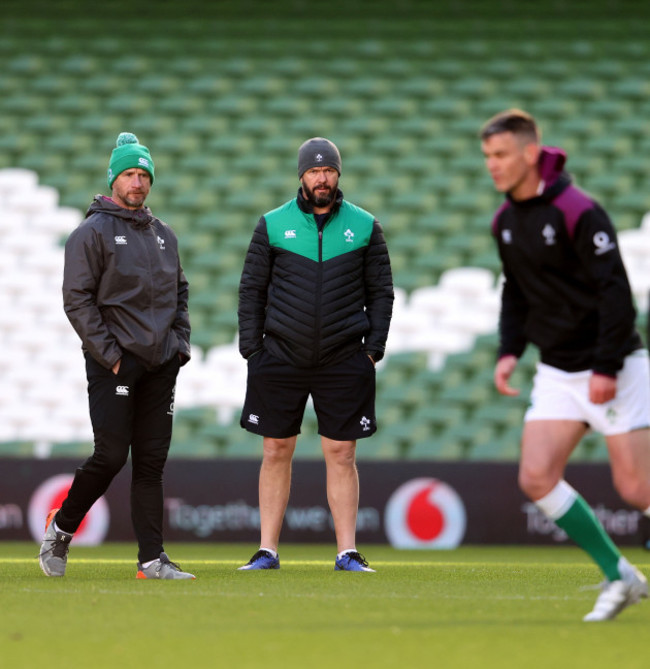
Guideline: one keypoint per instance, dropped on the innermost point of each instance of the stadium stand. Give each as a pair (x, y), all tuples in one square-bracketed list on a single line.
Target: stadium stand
[(224, 94)]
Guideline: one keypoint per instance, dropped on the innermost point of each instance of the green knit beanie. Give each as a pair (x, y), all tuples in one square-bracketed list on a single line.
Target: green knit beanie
[(128, 153)]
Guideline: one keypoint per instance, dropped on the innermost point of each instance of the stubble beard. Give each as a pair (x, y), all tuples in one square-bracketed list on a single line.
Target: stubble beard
[(320, 200)]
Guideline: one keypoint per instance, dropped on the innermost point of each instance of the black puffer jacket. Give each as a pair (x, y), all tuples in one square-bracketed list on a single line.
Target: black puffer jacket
[(124, 288), (313, 296)]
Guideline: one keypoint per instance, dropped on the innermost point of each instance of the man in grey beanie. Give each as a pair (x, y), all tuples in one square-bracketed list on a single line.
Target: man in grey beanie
[(318, 152), (315, 303)]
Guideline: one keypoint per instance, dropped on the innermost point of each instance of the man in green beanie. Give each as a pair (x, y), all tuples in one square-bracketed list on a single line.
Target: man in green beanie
[(126, 296)]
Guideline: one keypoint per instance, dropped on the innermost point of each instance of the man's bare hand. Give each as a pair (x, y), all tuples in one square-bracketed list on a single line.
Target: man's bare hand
[(502, 373), (601, 388)]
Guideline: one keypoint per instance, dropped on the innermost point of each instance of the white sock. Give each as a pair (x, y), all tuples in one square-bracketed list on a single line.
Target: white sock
[(557, 502), (269, 550), (342, 553), (148, 564), (58, 529)]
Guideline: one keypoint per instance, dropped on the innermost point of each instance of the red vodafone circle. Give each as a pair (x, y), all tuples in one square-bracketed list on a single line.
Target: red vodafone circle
[(49, 495), (425, 513), (424, 519)]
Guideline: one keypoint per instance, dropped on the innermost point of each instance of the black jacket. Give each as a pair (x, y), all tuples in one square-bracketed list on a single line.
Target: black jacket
[(566, 289), (124, 288), (315, 296)]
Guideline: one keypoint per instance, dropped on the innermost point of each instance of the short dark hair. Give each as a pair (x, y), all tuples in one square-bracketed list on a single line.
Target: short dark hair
[(515, 121)]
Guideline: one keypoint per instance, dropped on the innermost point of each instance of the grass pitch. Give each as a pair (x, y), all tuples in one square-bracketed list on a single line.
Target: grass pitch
[(475, 606)]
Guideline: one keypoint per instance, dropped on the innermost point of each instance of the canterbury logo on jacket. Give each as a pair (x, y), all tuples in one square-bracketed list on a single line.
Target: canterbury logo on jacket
[(313, 296)]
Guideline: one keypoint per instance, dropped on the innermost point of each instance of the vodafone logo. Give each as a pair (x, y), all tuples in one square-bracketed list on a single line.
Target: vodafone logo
[(49, 495), (425, 513)]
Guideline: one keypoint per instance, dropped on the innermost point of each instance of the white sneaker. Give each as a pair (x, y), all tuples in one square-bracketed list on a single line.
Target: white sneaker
[(53, 557), (163, 568), (617, 595)]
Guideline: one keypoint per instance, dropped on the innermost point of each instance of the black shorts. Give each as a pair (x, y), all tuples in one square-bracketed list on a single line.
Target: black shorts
[(343, 395)]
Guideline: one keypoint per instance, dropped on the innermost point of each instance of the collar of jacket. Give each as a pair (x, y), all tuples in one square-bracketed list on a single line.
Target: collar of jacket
[(551, 171), (306, 206), (549, 194), (138, 218)]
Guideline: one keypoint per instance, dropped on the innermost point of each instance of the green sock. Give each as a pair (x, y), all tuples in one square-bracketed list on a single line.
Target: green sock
[(581, 524)]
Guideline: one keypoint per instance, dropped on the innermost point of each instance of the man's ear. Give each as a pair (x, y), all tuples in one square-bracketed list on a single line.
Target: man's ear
[(531, 153)]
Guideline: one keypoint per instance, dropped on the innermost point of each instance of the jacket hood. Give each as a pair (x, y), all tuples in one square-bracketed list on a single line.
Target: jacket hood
[(551, 164), (138, 218), (551, 170)]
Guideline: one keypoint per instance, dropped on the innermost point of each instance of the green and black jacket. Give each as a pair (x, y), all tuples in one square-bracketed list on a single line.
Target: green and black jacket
[(313, 296)]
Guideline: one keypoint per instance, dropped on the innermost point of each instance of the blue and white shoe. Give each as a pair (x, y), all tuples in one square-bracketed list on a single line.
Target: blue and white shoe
[(352, 561), (262, 560)]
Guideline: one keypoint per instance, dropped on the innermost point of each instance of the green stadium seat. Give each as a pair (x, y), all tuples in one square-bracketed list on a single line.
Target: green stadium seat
[(263, 86), (582, 88), (233, 105), (125, 104), (208, 86), (25, 104), (633, 89), (527, 89), (470, 88), (634, 166), (204, 126), (503, 446), (583, 164), (471, 203), (554, 108), (610, 146), (242, 444), (631, 126), (448, 69), (446, 107), (437, 414), (26, 65), (582, 128), (15, 145), (609, 108), (179, 105), (592, 447), (344, 68), (20, 449), (315, 87), (469, 437), (606, 186), (502, 414), (438, 448)]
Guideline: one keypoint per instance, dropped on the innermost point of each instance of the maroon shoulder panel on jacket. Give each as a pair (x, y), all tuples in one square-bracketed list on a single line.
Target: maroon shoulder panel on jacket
[(572, 202)]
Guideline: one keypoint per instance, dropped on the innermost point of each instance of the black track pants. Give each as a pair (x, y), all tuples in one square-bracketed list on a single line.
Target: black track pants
[(133, 408)]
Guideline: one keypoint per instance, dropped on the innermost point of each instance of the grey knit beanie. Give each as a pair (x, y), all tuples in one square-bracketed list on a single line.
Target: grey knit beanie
[(318, 152)]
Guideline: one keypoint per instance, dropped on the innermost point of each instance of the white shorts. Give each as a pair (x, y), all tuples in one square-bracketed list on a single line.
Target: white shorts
[(559, 395)]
